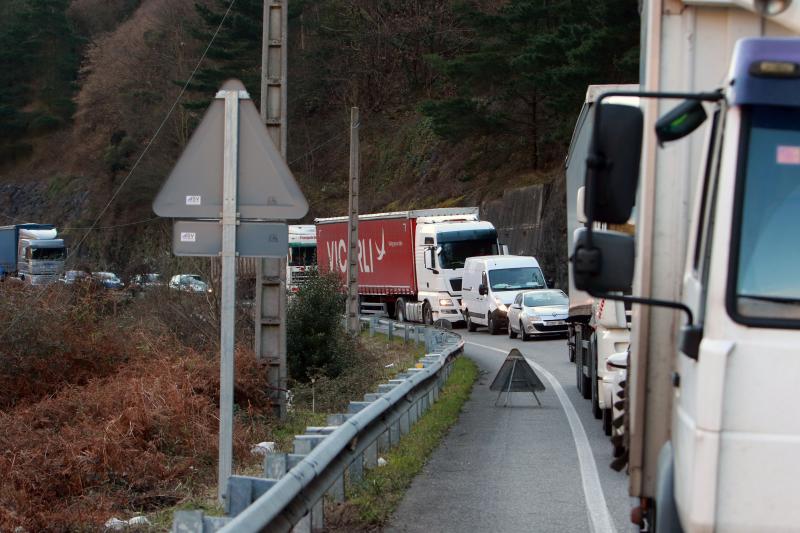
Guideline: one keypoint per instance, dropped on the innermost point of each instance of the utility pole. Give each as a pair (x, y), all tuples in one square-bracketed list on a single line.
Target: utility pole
[(270, 312), (352, 227)]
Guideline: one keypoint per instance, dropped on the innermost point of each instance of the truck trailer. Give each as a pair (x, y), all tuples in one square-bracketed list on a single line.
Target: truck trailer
[(410, 262), (713, 447), (598, 328), (31, 252)]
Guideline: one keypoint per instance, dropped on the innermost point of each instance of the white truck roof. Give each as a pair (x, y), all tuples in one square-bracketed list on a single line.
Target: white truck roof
[(422, 215)]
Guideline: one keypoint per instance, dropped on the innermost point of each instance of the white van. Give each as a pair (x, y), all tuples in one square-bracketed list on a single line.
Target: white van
[(490, 285)]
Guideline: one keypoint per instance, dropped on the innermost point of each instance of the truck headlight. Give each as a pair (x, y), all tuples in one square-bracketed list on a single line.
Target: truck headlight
[(445, 302)]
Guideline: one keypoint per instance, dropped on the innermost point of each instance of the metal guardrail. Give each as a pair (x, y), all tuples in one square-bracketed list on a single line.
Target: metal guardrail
[(327, 460)]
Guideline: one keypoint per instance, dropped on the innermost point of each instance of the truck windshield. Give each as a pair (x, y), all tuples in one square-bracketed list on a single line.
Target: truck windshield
[(514, 279), (767, 284), (48, 254), (302, 255)]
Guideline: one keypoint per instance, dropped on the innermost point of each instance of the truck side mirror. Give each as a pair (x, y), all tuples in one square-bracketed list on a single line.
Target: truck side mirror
[(605, 266), (580, 213), (681, 121), (430, 259), (613, 163), (482, 290)]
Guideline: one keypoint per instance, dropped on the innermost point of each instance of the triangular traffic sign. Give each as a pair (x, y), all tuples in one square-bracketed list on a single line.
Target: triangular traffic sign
[(267, 189)]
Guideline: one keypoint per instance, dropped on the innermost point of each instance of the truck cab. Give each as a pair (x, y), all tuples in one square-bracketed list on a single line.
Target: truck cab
[(32, 252), (730, 461), (443, 245), (302, 256)]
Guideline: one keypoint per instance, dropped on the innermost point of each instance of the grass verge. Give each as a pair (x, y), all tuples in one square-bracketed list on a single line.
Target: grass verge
[(375, 499)]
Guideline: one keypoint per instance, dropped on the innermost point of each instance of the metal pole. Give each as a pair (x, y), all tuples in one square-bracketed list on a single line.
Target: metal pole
[(270, 311), (352, 309), (226, 343)]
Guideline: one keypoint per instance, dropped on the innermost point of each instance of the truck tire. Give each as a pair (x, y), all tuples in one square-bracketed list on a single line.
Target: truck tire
[(596, 411), (471, 326), (608, 414), (427, 314), (400, 310)]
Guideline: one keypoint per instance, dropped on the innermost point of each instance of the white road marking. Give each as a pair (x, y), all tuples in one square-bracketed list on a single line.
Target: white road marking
[(599, 517)]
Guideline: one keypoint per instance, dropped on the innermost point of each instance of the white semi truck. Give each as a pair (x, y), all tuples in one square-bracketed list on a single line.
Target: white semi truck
[(410, 263), (302, 257), (31, 252), (598, 328), (714, 442)]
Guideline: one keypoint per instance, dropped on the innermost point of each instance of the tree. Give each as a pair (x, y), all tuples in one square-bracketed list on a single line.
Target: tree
[(528, 69), (36, 94)]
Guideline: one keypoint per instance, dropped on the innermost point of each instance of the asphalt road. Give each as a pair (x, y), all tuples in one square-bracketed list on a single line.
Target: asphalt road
[(523, 467)]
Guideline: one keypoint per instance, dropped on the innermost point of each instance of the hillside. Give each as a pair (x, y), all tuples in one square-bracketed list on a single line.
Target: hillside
[(459, 101)]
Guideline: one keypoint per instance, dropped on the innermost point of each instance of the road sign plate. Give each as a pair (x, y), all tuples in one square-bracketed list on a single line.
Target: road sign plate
[(267, 189), (203, 238)]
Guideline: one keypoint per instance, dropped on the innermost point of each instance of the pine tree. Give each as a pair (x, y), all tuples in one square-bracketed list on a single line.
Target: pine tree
[(529, 67)]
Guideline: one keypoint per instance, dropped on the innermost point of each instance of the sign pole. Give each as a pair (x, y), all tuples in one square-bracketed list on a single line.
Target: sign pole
[(226, 344)]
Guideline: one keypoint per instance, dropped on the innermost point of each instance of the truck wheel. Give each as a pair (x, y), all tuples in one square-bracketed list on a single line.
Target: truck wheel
[(470, 324), (427, 314), (400, 310), (578, 365), (596, 411), (608, 414)]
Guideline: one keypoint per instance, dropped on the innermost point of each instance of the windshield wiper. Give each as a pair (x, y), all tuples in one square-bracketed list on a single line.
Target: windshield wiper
[(775, 299)]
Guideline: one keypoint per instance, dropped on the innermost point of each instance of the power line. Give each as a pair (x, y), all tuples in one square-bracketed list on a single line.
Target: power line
[(155, 135)]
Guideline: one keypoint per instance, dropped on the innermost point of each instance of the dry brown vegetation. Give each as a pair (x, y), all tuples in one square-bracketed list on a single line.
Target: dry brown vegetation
[(105, 411), (109, 404)]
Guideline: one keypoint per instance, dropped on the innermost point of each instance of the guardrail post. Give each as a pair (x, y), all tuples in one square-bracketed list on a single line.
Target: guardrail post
[(355, 472), (371, 455), (391, 332), (373, 325), (405, 334)]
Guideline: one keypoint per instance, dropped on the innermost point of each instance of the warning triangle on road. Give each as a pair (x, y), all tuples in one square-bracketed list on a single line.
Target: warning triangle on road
[(516, 375), (266, 187)]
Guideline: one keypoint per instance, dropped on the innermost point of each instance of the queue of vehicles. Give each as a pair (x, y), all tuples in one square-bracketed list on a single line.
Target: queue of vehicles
[(699, 395)]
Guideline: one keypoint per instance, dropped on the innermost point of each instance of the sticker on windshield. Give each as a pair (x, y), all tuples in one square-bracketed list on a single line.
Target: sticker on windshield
[(188, 236), (193, 200), (788, 155)]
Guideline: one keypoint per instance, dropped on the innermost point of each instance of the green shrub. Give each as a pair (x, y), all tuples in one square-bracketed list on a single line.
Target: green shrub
[(317, 344)]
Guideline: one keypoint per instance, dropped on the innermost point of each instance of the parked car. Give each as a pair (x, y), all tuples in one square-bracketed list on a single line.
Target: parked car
[(538, 312), (71, 277), (142, 282), (109, 280), (188, 283)]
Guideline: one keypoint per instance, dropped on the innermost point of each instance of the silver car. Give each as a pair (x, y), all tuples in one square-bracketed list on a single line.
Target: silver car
[(538, 312)]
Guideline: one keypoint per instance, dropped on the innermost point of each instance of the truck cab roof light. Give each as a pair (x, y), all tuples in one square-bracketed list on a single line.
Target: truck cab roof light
[(775, 69)]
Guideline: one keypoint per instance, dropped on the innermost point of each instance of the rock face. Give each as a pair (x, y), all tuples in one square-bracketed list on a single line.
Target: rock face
[(532, 221)]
